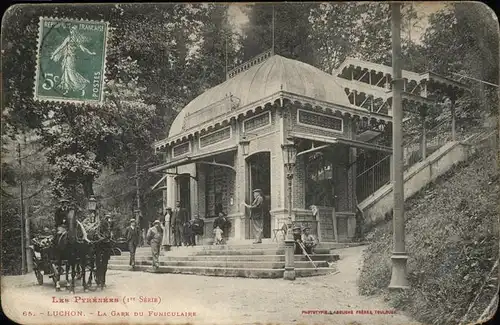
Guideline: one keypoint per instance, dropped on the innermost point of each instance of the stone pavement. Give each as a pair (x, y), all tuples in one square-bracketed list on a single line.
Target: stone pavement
[(215, 300)]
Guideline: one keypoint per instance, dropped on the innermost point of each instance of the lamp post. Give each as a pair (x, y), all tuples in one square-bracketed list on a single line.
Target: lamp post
[(289, 158), (399, 257), (92, 206)]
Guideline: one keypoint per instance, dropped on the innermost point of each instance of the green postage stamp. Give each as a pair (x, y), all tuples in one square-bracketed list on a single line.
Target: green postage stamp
[(71, 60)]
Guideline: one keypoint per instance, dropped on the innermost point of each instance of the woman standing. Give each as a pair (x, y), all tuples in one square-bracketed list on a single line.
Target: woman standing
[(167, 230)]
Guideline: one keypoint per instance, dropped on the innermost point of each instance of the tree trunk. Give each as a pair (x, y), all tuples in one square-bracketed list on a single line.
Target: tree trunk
[(29, 256)]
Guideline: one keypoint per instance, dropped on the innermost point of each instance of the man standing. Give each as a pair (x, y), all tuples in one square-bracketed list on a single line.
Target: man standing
[(179, 217), (132, 234), (256, 215), (154, 238), (111, 224)]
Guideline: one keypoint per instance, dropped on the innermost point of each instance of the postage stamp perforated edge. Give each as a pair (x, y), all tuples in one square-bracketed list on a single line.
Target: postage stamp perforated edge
[(107, 35)]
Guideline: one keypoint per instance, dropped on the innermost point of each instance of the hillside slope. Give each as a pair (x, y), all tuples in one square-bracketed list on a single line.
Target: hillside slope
[(452, 242)]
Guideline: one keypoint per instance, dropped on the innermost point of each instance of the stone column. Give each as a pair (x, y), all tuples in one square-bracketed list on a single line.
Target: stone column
[(278, 177), (171, 190), (240, 191), (202, 194), (299, 184), (193, 188)]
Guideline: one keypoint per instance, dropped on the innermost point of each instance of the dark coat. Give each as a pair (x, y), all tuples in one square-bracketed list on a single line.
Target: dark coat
[(257, 208), (133, 235), (179, 217), (186, 229), (60, 217), (223, 223), (198, 227)]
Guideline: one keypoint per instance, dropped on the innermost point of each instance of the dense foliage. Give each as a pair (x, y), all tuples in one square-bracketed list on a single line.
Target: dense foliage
[(452, 224), (452, 242), (153, 71)]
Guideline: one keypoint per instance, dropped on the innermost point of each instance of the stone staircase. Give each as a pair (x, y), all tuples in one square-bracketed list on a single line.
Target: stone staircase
[(266, 260)]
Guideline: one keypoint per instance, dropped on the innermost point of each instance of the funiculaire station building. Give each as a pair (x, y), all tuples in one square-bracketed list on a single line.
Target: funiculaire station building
[(228, 141)]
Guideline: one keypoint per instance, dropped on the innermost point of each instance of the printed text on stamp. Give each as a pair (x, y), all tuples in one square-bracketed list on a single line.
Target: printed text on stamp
[(71, 60)]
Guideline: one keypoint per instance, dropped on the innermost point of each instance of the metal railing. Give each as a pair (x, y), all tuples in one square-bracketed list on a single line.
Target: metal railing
[(250, 63), (379, 174), (373, 178)]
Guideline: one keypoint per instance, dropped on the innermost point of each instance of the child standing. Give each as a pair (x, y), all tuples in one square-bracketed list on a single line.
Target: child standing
[(218, 236)]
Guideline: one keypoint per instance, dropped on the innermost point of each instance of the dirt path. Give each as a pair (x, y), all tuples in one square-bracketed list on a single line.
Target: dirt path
[(213, 300)]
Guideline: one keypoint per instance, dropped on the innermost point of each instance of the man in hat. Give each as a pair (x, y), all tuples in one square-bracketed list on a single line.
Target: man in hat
[(308, 240), (257, 215), (60, 216), (297, 237), (154, 238), (109, 224), (179, 217), (60, 222), (132, 234)]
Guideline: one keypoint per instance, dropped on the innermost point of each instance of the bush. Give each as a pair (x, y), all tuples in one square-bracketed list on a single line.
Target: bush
[(452, 242)]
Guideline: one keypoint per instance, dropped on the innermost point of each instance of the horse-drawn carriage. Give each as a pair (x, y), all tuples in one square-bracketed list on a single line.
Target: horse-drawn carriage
[(45, 262), (78, 248)]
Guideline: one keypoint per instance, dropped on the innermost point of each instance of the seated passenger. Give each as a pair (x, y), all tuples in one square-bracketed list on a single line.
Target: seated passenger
[(308, 240)]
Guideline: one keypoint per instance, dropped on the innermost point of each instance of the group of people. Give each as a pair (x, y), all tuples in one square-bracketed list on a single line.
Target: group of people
[(304, 240), (175, 223), (174, 228)]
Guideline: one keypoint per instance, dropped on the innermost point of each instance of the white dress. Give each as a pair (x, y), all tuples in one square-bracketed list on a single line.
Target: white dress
[(166, 231)]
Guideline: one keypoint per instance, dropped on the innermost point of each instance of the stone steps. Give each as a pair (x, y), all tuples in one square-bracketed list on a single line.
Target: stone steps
[(266, 260), (228, 272), (322, 247), (276, 258), (228, 264)]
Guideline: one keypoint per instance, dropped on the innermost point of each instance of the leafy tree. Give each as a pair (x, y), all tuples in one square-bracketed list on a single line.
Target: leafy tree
[(291, 30), (218, 41), (333, 34), (463, 38), (361, 30)]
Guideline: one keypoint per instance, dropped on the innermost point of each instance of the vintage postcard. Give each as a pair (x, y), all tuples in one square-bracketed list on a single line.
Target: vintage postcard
[(250, 163)]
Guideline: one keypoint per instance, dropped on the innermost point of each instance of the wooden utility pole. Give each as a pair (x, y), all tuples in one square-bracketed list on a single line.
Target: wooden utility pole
[(21, 212), (27, 235), (399, 258), (137, 192)]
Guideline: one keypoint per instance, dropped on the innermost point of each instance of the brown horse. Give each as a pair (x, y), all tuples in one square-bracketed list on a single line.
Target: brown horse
[(70, 246), (100, 252)]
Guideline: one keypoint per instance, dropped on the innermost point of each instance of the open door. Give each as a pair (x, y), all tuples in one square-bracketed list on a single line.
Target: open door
[(184, 192), (259, 166)]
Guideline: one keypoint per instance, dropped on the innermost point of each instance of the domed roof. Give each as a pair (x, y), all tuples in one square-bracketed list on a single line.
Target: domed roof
[(260, 81)]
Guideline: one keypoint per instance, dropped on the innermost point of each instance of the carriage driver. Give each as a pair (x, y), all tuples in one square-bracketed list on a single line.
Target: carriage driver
[(61, 225)]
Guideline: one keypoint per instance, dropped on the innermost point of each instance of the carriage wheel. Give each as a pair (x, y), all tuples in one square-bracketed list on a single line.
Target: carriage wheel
[(39, 276)]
